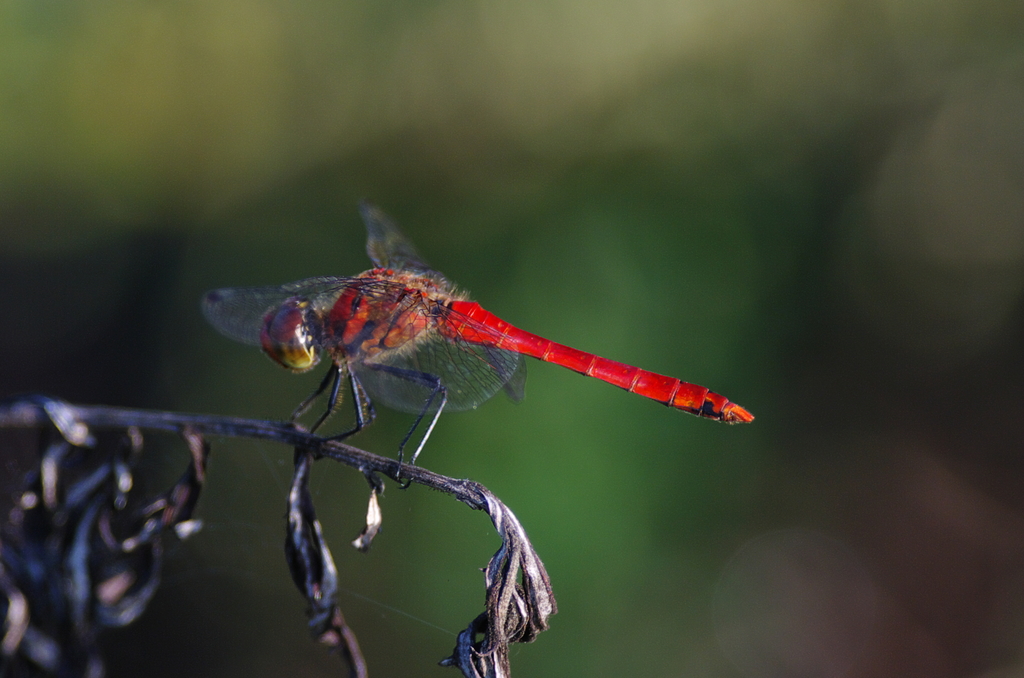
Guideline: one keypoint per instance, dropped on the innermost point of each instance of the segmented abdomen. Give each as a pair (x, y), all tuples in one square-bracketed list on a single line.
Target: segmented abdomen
[(487, 328)]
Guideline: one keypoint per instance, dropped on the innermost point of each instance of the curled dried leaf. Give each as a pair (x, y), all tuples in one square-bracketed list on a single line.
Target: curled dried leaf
[(515, 611), (313, 570), (374, 518)]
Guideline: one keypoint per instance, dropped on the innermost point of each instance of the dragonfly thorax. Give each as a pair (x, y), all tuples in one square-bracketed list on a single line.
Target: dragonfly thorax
[(287, 335)]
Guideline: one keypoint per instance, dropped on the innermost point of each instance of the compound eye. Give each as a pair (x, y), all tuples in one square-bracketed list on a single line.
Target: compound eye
[(286, 335)]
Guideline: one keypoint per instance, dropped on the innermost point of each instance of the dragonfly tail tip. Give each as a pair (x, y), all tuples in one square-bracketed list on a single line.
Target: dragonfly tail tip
[(734, 414)]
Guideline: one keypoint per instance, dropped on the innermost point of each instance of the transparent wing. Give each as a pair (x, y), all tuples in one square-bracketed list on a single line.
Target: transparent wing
[(515, 387), (471, 372), (386, 245), (238, 312)]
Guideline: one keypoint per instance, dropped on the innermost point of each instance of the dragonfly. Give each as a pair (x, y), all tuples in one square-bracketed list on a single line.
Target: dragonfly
[(403, 335)]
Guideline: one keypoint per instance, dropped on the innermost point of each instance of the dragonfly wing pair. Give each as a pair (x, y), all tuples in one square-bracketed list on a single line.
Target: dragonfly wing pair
[(470, 373)]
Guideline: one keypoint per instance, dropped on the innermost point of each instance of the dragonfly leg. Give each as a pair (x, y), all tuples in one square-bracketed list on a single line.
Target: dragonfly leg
[(333, 373), (332, 399), (438, 395), (439, 389), (365, 414)]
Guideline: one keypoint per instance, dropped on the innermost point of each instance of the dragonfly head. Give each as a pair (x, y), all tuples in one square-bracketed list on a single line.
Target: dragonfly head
[(287, 336)]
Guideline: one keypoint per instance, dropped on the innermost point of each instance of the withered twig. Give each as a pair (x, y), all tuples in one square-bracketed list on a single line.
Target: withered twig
[(519, 598)]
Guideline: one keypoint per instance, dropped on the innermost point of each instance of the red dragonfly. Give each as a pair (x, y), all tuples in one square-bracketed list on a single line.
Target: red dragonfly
[(405, 337)]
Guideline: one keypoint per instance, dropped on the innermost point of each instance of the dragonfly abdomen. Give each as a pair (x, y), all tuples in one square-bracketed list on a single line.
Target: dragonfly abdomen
[(666, 390)]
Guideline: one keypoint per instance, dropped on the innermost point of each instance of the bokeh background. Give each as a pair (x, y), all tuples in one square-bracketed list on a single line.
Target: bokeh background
[(815, 208)]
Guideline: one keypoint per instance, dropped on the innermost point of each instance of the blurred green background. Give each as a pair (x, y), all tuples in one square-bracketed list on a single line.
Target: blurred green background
[(814, 208)]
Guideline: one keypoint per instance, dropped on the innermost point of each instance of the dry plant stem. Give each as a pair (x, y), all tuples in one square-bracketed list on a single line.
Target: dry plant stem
[(30, 412), (515, 611)]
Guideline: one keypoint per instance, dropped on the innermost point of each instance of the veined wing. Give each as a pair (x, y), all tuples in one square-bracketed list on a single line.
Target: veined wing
[(471, 372), (239, 312), (386, 245)]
